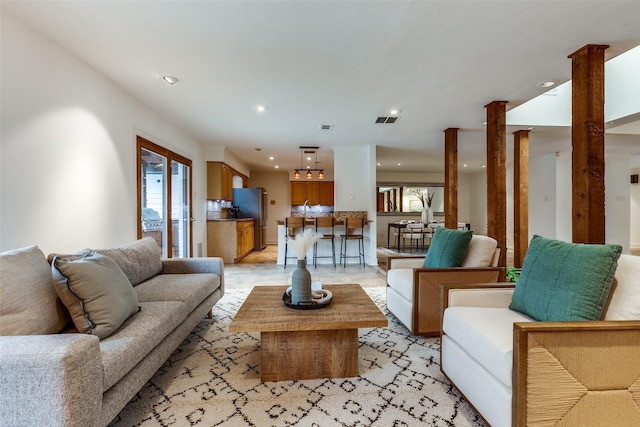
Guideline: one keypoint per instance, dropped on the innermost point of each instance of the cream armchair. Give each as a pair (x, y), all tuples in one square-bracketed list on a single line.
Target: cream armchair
[(516, 371), (413, 292)]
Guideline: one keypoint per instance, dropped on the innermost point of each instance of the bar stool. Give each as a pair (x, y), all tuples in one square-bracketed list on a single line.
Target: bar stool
[(327, 223), (354, 230), (293, 225)]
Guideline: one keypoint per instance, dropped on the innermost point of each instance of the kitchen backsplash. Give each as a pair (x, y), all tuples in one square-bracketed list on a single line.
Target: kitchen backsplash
[(312, 211), (350, 214)]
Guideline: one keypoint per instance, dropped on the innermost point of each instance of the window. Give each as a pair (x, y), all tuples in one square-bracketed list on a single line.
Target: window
[(406, 198), (164, 198)]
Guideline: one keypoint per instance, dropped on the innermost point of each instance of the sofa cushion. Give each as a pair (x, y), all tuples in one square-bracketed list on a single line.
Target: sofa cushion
[(137, 337), (448, 248), (139, 260), (401, 279), (96, 292), (563, 281), (625, 295), (486, 333), (29, 303), (191, 289), (480, 252)]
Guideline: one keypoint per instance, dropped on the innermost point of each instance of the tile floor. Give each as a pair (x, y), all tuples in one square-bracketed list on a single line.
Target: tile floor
[(260, 268)]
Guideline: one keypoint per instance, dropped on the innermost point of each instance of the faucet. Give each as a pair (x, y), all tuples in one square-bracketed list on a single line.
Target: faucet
[(306, 203)]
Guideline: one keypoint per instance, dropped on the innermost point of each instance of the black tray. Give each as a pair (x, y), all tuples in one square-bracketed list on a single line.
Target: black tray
[(305, 305)]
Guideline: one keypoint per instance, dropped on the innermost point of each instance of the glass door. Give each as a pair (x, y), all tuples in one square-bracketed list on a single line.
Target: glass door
[(164, 199), (180, 209)]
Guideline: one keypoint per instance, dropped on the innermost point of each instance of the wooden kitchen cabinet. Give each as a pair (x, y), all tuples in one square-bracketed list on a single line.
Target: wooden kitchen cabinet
[(229, 239), (219, 181), (298, 192), (316, 192), (312, 192), (245, 238), (326, 193)]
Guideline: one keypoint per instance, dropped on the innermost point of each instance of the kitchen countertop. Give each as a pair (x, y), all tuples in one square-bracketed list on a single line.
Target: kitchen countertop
[(232, 219), (310, 221)]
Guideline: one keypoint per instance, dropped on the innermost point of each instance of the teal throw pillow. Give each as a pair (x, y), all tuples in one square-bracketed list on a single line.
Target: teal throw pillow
[(563, 281), (448, 248)]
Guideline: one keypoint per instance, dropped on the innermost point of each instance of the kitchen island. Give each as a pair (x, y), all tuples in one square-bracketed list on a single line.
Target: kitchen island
[(324, 246), (231, 238)]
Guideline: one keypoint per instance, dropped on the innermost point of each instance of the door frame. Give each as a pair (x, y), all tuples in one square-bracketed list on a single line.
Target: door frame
[(143, 143)]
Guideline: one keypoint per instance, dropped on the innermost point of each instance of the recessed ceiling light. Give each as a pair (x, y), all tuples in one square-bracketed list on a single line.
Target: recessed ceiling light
[(271, 158), (170, 79), (484, 166), (399, 164), (261, 108), (379, 164), (548, 83), (464, 166), (277, 167)]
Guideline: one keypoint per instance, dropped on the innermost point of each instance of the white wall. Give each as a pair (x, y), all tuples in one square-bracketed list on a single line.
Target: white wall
[(354, 188), (563, 197), (542, 196), (68, 150), (478, 202), (617, 193), (634, 210)]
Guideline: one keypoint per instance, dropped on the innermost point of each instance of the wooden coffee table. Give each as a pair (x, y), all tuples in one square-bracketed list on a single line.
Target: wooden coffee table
[(305, 344)]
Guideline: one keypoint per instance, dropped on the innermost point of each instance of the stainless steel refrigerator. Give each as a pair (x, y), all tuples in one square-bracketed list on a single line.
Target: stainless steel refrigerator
[(252, 203)]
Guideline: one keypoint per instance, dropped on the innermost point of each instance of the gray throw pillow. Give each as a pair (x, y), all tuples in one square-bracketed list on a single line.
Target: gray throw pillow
[(96, 292)]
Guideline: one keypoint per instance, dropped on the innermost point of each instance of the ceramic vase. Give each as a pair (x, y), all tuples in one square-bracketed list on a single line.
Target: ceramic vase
[(301, 284), (427, 215)]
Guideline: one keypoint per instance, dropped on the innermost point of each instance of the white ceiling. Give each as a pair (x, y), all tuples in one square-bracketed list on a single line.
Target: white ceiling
[(341, 63)]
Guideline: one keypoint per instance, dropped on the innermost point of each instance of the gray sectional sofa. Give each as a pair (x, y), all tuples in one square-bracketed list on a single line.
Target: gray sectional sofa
[(66, 365)]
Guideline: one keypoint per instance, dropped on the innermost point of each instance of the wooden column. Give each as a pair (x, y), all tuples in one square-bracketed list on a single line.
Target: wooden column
[(497, 177), (451, 178), (520, 196), (587, 139)]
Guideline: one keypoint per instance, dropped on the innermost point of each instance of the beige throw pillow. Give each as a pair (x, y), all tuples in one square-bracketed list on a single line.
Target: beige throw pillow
[(28, 303), (96, 292)]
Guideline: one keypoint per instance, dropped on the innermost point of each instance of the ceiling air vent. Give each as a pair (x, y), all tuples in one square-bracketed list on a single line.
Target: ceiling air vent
[(386, 120), (326, 127)]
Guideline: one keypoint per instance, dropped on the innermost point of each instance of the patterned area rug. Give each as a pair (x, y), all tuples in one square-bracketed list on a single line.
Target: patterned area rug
[(213, 379)]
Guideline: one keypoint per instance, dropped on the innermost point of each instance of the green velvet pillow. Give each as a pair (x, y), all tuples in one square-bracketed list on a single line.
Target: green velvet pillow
[(448, 248), (96, 292), (563, 281)]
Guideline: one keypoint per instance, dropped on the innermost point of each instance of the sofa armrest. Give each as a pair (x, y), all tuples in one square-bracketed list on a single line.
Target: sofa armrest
[(496, 295), (584, 372), (426, 293), (50, 379), (202, 265), (405, 262)]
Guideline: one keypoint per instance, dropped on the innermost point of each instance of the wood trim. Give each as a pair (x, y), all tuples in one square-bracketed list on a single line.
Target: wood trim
[(587, 140), (426, 315), (520, 196), (497, 177), (451, 178)]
